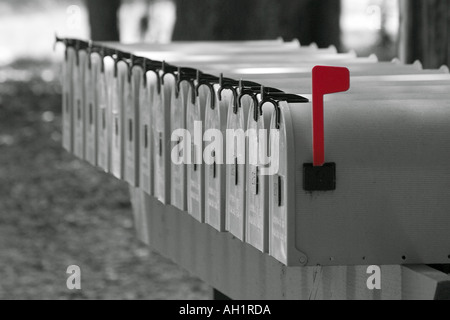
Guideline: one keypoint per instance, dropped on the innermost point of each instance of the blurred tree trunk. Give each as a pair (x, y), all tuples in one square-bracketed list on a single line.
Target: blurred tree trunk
[(103, 19), (425, 32), (307, 20)]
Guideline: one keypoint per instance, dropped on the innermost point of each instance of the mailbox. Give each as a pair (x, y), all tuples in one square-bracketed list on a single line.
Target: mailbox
[(104, 124), (388, 201), (215, 149), (351, 179), (67, 103), (93, 78), (120, 96), (79, 102), (236, 173), (149, 93), (195, 115), (257, 200), (132, 108), (161, 139), (181, 97)]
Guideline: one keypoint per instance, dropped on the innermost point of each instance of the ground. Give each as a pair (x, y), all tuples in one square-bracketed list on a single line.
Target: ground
[(57, 211)]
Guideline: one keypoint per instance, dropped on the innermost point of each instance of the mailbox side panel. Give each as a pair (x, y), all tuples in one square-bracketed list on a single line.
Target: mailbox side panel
[(391, 202)]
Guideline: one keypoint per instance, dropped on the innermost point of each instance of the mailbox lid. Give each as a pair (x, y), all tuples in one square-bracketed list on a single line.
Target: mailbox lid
[(257, 200), (147, 96), (79, 75), (280, 187), (118, 90), (235, 205), (132, 116), (161, 140), (94, 70), (179, 145), (68, 98), (104, 126), (195, 117), (216, 120)]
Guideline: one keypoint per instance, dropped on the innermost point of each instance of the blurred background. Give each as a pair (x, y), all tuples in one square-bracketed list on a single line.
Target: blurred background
[(55, 211)]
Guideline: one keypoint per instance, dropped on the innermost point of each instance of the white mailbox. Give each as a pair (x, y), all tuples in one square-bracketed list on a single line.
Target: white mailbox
[(180, 147), (378, 195), (236, 173), (120, 96), (68, 98), (104, 113), (216, 154), (149, 94), (257, 191), (132, 116), (93, 77), (79, 102), (195, 116), (161, 137)]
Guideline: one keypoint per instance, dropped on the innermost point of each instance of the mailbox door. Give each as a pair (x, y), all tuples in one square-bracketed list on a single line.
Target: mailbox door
[(90, 119), (68, 99), (215, 120), (195, 170), (178, 171), (161, 140), (148, 94), (278, 195), (132, 127), (118, 100), (104, 127), (236, 173), (79, 103), (257, 188)]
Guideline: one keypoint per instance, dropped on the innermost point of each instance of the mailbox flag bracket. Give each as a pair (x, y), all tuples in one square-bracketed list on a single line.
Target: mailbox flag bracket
[(320, 176)]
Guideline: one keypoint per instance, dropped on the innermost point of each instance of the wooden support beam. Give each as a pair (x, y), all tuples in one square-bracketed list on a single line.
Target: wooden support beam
[(239, 271), (424, 283)]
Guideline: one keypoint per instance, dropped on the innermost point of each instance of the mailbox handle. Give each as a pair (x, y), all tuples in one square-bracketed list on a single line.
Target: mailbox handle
[(186, 74), (229, 84), (325, 80), (246, 92), (207, 80)]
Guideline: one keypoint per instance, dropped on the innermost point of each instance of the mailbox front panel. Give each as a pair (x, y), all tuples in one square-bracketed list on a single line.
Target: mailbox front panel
[(278, 227), (79, 103), (104, 125), (132, 127), (161, 141), (148, 96), (179, 146), (68, 99), (119, 98), (215, 119), (236, 173), (90, 117), (196, 170), (257, 200)]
